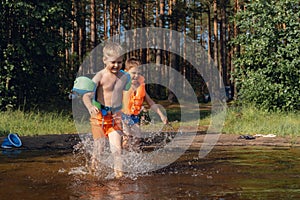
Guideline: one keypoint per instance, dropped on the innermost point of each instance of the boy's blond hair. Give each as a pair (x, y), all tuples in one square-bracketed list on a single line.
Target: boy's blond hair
[(112, 50), (131, 63)]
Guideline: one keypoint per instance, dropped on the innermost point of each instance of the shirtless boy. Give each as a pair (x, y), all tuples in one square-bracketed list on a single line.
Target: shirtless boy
[(105, 103)]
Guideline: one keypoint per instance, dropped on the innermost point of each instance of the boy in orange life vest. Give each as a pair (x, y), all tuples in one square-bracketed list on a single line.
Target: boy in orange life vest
[(133, 100), (104, 105)]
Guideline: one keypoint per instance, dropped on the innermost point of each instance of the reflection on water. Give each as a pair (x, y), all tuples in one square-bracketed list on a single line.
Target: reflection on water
[(226, 173)]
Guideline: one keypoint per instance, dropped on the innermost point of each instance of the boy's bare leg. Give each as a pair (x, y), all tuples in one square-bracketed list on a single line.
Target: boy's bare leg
[(125, 137), (115, 141), (99, 144), (97, 150), (136, 134)]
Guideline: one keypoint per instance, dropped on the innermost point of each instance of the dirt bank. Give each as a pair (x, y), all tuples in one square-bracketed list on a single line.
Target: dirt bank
[(67, 141)]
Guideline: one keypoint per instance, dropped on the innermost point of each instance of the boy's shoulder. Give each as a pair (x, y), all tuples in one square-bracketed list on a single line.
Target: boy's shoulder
[(101, 72), (98, 76)]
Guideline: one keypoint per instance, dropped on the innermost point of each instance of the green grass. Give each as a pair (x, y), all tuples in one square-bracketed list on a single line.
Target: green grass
[(239, 120), (249, 120), (35, 123)]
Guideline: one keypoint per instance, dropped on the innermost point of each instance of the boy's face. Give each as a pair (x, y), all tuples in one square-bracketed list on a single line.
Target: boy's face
[(113, 64), (135, 74)]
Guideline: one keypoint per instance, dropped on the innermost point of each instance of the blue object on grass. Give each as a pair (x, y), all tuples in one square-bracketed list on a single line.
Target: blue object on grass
[(12, 140)]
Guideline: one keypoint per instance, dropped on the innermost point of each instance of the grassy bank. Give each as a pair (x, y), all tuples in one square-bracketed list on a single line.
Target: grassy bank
[(35, 123), (238, 121), (249, 120)]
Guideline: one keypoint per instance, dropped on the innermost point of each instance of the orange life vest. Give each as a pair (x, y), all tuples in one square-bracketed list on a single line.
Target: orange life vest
[(137, 98)]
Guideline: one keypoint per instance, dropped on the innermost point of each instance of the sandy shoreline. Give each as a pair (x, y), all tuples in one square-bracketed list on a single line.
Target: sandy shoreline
[(67, 141)]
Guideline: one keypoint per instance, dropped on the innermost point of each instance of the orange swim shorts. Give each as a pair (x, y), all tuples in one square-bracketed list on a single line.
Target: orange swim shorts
[(103, 125)]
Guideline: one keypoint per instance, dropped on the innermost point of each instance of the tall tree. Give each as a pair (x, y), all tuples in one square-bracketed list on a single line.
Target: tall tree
[(105, 19), (216, 30), (209, 38), (75, 33), (93, 42), (82, 31), (223, 40)]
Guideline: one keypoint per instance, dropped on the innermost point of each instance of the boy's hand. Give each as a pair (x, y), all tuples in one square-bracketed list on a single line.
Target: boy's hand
[(117, 115), (93, 110), (164, 120)]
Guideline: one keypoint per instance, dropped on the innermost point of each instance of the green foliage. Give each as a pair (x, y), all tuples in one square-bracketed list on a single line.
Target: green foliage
[(267, 69), (32, 50)]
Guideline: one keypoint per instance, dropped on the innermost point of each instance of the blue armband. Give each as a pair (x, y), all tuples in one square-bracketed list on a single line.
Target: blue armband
[(128, 82)]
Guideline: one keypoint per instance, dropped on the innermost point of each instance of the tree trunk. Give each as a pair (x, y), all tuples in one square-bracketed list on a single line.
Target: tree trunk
[(74, 34), (111, 19), (207, 71), (143, 42), (215, 7), (105, 19), (159, 41), (222, 40), (236, 49), (118, 24), (183, 66), (229, 53), (82, 33), (93, 59), (174, 62), (209, 35), (93, 25)]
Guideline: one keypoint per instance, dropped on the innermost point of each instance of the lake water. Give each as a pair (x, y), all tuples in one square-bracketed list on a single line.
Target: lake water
[(225, 173)]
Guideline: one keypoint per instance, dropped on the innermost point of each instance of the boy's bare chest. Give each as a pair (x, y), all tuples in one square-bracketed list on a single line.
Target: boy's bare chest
[(110, 83)]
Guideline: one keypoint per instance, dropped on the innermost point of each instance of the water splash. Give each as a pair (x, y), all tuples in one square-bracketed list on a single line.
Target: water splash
[(136, 163)]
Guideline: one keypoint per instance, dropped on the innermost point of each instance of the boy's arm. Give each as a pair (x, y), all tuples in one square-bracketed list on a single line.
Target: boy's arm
[(156, 109), (87, 100), (87, 97)]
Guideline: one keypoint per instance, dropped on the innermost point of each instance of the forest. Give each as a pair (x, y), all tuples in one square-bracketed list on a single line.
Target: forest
[(255, 46)]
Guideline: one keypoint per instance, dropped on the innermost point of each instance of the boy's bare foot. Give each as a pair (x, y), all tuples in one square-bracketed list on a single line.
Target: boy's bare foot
[(125, 142), (118, 174), (94, 165)]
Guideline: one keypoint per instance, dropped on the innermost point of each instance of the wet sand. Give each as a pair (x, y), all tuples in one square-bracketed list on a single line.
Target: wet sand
[(67, 141)]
